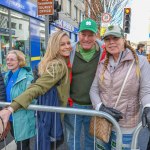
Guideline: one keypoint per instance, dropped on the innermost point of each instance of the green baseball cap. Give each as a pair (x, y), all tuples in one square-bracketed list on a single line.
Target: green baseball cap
[(88, 24), (114, 30)]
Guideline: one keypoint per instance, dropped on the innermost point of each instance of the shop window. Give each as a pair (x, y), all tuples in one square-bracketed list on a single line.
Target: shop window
[(4, 37), (42, 39), (20, 40)]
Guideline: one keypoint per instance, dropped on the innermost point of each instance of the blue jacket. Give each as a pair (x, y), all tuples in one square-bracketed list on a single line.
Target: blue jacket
[(23, 120), (48, 123), (141, 53)]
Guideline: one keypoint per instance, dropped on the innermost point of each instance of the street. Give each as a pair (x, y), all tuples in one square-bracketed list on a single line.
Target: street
[(142, 142), (9, 142)]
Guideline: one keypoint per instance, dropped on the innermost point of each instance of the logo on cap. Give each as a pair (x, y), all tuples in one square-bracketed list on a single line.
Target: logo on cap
[(88, 23), (111, 27)]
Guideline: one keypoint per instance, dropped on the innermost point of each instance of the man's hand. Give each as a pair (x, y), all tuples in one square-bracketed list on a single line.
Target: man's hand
[(146, 117), (111, 111)]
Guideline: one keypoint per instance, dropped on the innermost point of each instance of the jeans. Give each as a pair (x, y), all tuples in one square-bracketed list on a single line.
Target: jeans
[(126, 140), (73, 125)]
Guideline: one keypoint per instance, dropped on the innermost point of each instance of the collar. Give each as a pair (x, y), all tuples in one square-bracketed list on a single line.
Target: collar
[(125, 56)]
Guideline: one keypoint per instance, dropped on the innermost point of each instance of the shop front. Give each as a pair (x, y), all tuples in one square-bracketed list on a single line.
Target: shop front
[(22, 29)]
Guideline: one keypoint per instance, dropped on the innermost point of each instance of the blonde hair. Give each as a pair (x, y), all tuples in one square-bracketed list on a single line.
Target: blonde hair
[(20, 57), (126, 45), (52, 57)]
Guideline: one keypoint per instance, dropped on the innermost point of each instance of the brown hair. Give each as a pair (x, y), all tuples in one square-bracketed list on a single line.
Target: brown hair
[(140, 45)]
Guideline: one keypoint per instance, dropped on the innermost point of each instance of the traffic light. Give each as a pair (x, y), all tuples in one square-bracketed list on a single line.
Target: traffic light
[(127, 20), (55, 16), (57, 8)]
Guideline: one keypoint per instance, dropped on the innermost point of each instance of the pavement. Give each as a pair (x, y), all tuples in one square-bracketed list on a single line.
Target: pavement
[(11, 145), (142, 141)]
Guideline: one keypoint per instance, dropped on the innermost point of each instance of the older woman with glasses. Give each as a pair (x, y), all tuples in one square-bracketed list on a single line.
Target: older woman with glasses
[(108, 82), (17, 79)]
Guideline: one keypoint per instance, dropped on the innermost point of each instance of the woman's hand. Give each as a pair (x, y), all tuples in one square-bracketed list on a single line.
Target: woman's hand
[(5, 113), (111, 111)]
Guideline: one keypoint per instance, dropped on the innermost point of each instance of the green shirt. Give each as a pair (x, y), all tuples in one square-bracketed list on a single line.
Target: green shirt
[(87, 54)]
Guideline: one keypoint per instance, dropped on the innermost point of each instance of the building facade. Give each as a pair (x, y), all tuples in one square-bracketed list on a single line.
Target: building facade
[(21, 28)]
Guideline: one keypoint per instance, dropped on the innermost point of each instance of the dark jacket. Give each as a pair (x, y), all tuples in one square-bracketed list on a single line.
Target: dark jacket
[(48, 123), (2, 89)]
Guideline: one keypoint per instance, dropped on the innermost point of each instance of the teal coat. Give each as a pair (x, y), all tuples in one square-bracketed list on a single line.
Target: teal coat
[(23, 120)]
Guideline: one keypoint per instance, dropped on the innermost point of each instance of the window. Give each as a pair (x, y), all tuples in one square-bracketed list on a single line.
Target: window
[(75, 12), (69, 7), (81, 16), (13, 25), (20, 26)]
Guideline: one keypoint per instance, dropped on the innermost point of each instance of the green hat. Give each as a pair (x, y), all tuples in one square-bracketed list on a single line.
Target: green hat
[(88, 24), (114, 30)]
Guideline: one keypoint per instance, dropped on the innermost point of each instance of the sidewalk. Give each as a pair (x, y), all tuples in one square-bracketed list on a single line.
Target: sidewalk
[(11, 146)]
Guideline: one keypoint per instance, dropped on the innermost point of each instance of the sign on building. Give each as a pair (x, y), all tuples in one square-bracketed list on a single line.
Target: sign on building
[(45, 7)]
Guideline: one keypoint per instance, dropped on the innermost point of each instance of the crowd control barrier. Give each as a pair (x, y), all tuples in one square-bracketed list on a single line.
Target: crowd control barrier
[(78, 112), (135, 137)]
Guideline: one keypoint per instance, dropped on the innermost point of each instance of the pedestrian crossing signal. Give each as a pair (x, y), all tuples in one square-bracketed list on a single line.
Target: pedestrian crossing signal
[(127, 20)]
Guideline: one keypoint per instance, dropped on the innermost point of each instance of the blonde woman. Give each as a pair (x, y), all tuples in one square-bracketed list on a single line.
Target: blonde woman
[(52, 69), (108, 81), (17, 80)]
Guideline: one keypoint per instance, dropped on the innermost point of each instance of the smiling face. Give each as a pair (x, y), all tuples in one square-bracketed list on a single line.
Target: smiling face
[(87, 39), (114, 45), (65, 46), (12, 62)]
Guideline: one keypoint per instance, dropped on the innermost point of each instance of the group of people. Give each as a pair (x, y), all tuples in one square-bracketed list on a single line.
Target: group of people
[(79, 78)]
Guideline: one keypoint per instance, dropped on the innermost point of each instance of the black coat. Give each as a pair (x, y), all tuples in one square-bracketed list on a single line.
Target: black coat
[(2, 89)]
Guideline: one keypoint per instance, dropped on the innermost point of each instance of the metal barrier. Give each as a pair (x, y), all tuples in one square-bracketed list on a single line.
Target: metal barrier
[(135, 136), (75, 111)]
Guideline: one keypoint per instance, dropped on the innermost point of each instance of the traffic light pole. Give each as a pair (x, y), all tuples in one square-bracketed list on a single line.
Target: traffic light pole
[(47, 32)]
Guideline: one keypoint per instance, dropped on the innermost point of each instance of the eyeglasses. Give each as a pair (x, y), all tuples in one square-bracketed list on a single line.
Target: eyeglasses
[(11, 60)]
